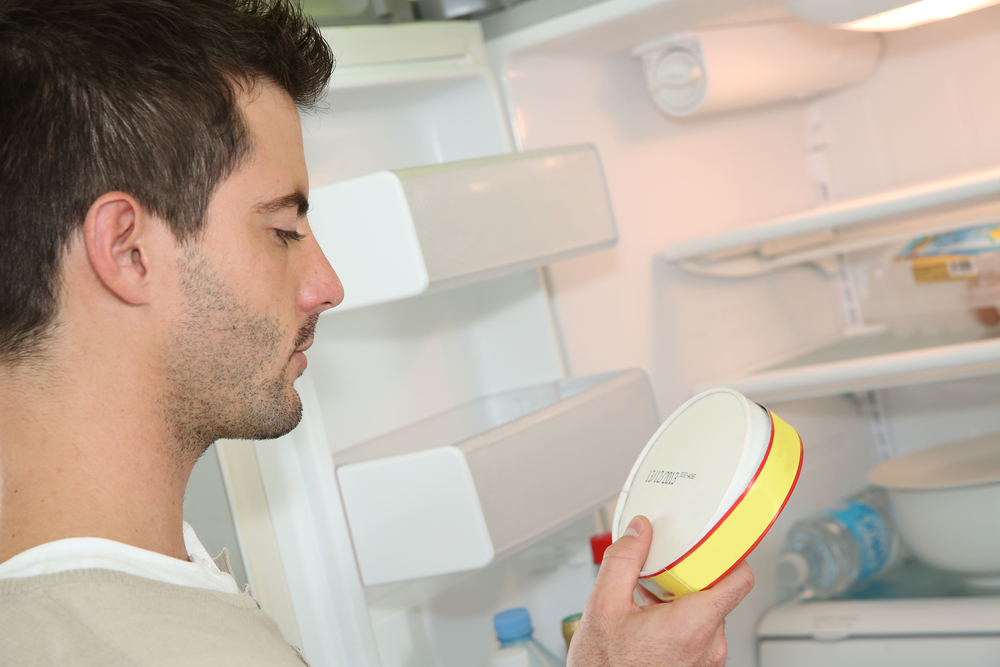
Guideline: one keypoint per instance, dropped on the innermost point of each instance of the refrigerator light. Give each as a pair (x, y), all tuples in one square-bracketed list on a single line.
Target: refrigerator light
[(883, 15)]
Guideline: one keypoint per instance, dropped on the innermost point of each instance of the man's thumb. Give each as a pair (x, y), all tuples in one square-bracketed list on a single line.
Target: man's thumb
[(622, 562)]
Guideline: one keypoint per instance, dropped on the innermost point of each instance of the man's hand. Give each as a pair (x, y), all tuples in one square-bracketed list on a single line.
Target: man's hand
[(616, 632)]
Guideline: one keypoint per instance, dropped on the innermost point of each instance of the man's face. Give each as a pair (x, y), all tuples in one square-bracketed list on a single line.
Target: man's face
[(251, 289)]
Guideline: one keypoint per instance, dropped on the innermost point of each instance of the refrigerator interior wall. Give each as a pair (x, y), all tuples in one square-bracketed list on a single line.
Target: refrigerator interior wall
[(924, 114), (928, 112), (710, 173)]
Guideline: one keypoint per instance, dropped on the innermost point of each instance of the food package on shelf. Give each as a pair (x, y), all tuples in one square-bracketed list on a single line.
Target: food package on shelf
[(937, 283)]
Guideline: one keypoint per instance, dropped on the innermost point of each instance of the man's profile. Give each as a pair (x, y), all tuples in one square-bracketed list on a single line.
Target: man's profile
[(160, 285)]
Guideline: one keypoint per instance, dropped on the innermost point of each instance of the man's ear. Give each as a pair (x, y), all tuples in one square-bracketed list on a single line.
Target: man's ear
[(116, 232)]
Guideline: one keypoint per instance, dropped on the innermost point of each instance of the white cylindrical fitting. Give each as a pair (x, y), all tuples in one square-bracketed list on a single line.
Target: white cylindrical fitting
[(737, 67)]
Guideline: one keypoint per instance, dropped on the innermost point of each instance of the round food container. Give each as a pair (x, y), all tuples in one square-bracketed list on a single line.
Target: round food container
[(711, 480), (946, 502)]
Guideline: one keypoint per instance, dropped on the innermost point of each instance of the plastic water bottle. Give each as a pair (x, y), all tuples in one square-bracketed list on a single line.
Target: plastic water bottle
[(832, 551), (512, 656), (514, 629)]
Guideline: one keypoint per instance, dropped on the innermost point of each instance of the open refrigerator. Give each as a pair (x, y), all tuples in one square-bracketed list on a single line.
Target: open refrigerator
[(547, 264)]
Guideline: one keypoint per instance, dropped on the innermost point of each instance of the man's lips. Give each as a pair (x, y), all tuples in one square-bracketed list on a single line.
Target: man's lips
[(306, 335)]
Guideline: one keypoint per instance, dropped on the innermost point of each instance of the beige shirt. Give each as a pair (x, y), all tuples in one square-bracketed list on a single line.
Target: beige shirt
[(104, 617)]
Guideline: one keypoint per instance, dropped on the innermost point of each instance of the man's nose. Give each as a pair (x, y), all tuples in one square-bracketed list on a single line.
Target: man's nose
[(323, 289)]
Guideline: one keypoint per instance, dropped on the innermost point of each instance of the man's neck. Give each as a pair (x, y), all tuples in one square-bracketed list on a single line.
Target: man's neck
[(86, 457)]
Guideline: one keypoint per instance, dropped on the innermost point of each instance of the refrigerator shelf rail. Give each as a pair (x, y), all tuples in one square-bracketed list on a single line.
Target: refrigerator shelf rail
[(866, 363), (457, 491), (820, 235), (395, 234)]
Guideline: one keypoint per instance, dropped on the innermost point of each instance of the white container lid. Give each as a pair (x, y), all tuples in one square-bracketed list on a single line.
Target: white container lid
[(964, 463), (693, 470)]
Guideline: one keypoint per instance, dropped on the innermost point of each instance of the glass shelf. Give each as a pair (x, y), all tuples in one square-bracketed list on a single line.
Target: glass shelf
[(876, 361)]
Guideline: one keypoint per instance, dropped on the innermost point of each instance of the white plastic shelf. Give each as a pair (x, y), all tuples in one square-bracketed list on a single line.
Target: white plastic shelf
[(860, 224), (866, 363), (832, 237), (396, 234), (458, 490)]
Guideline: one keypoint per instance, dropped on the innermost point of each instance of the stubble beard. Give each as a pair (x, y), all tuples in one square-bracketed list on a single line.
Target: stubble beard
[(226, 369)]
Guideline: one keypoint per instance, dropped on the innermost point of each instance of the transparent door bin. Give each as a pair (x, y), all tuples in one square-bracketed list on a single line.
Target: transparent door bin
[(396, 234), (456, 491)]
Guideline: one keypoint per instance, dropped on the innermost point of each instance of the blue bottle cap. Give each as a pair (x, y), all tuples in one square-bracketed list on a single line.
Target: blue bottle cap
[(512, 624)]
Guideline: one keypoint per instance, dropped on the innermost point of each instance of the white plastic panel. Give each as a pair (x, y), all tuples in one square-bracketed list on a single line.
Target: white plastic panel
[(447, 494), (440, 482), (365, 229), (493, 215), (883, 652), (841, 619), (411, 44), (443, 114), (392, 234), (403, 96), (882, 633)]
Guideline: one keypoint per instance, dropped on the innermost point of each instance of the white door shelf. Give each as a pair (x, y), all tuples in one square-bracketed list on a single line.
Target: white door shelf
[(458, 490), (865, 363), (396, 234)]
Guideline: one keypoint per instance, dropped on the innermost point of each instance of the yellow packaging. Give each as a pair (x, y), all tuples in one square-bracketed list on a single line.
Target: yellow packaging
[(711, 480)]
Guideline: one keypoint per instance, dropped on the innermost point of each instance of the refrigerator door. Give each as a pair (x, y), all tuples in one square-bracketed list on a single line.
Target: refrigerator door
[(441, 441)]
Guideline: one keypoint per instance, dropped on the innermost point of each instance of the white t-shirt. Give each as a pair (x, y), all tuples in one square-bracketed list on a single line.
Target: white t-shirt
[(77, 553)]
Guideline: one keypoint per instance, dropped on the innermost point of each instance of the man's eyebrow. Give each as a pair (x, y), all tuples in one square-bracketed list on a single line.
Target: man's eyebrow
[(297, 200)]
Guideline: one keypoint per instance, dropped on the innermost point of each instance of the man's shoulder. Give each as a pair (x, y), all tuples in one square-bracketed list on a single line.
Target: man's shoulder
[(90, 617)]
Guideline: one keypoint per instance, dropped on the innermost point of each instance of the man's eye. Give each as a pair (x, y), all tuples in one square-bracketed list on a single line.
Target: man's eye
[(286, 235)]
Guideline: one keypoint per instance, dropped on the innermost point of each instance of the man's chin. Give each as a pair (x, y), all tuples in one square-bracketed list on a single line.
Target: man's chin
[(287, 418), (271, 422)]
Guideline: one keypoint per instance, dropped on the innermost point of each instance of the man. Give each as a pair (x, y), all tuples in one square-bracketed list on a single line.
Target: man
[(160, 286)]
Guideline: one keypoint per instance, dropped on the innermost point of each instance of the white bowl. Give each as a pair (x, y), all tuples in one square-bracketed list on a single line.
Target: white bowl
[(946, 501)]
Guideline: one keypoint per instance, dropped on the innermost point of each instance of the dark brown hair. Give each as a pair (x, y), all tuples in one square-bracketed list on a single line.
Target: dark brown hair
[(129, 95)]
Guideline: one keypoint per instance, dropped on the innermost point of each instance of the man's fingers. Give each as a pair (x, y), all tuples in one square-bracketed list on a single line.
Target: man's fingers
[(727, 593), (647, 597), (622, 562), (733, 588)]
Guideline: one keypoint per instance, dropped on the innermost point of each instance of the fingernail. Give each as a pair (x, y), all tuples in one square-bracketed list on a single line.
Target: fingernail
[(634, 528)]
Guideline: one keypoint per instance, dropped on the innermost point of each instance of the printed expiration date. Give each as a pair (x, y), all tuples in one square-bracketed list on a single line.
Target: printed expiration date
[(667, 476)]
